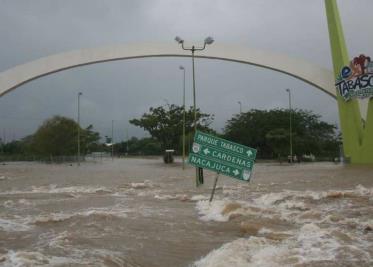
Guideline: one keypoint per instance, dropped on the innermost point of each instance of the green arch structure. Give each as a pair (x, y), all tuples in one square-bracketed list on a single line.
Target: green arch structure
[(357, 135)]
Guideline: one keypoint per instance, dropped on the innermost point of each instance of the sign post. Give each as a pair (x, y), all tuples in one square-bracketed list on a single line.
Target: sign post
[(213, 189), (222, 156)]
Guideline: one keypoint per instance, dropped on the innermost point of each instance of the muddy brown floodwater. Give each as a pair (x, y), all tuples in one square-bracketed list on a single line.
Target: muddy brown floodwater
[(141, 212)]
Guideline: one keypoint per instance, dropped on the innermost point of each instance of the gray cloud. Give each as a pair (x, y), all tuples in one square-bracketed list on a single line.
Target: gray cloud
[(126, 89)]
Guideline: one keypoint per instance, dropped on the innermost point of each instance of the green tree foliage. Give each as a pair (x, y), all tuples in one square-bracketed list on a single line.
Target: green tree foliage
[(14, 147), (278, 140), (58, 136), (143, 146), (268, 131), (89, 140), (165, 124)]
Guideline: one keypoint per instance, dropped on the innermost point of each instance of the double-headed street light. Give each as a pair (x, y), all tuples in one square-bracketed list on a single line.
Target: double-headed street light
[(290, 127), (79, 94), (183, 69), (208, 40)]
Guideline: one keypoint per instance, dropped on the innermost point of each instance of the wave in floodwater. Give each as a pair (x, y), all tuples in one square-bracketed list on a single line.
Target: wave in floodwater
[(319, 229), (76, 257), (53, 189), (162, 220)]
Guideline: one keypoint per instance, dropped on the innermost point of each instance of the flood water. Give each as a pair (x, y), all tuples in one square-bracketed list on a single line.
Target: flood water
[(141, 212)]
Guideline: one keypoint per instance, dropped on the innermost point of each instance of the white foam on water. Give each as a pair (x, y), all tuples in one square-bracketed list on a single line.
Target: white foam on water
[(53, 189), (11, 204), (145, 193), (181, 197), (24, 202), (363, 190), (212, 211), (219, 210), (34, 258), (141, 185), (224, 209), (232, 254), (73, 254), (115, 211), (315, 243), (199, 197), (328, 227), (308, 245), (165, 197), (264, 231), (254, 251), (8, 203), (61, 240), (12, 226), (292, 206), (270, 199), (120, 194)]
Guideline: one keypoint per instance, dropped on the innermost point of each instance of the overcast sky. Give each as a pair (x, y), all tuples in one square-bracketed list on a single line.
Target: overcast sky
[(126, 89)]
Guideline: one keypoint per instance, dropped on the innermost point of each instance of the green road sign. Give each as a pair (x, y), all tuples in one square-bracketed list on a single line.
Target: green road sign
[(222, 156)]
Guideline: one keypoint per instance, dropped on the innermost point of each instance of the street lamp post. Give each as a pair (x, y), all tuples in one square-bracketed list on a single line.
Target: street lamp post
[(239, 102), (290, 127), (79, 94), (127, 140), (183, 69), (208, 40), (112, 140)]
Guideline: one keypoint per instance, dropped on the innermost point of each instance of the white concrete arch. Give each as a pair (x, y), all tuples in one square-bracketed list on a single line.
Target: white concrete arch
[(321, 78)]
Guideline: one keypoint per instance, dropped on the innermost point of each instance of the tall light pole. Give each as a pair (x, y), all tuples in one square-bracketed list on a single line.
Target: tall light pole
[(112, 139), (239, 102), (79, 94), (290, 127), (183, 69), (127, 140), (208, 40)]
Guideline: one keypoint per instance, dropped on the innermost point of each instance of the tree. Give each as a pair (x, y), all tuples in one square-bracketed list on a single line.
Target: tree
[(278, 139), (59, 136), (89, 140), (268, 131), (166, 124), (144, 146)]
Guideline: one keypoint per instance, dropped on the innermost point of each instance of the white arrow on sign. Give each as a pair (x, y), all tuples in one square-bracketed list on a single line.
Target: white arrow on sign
[(206, 151), (249, 153), (236, 172)]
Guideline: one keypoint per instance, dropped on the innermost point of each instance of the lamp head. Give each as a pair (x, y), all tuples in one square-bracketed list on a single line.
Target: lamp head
[(80, 93), (179, 40), (181, 67), (209, 40), (288, 90)]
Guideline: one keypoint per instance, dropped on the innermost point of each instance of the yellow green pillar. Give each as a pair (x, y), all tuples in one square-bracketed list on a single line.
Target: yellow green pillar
[(357, 137)]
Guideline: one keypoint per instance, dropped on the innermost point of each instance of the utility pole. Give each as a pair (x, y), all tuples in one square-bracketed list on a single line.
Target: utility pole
[(79, 94), (112, 139), (209, 40), (127, 140), (183, 69), (290, 127)]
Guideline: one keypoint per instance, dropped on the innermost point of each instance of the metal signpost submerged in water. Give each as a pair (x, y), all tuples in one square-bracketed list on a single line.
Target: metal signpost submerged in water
[(222, 156)]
